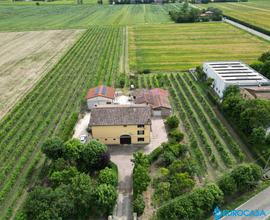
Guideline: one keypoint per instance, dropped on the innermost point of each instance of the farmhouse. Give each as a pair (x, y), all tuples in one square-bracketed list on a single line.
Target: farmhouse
[(121, 124), (226, 73), (157, 98), (100, 95)]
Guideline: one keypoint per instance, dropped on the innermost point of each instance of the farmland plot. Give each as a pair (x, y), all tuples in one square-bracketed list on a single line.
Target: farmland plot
[(76, 16), (211, 145), (48, 109), (255, 12), (25, 57), (175, 47)]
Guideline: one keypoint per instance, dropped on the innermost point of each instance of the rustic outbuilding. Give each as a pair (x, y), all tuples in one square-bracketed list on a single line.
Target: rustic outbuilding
[(100, 95)]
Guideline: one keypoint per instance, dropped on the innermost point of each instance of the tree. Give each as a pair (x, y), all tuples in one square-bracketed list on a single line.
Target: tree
[(63, 177), (53, 148), (257, 65), (246, 176), (105, 198), (81, 191), (266, 69), (108, 176), (172, 122), (45, 203), (93, 156), (265, 57), (72, 149)]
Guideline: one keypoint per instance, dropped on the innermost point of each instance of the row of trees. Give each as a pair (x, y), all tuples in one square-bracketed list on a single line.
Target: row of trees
[(263, 64), (200, 202), (252, 117), (80, 182)]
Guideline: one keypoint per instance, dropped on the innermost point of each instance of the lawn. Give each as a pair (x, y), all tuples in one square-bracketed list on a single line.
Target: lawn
[(175, 47), (255, 12), (26, 17)]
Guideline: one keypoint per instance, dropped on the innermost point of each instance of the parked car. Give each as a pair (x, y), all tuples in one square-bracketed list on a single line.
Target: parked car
[(83, 139)]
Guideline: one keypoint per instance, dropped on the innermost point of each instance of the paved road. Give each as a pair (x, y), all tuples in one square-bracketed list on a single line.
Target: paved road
[(257, 33), (121, 156), (261, 202)]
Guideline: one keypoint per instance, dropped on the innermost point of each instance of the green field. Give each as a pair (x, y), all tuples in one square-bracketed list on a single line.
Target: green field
[(255, 12), (175, 47), (15, 18), (47, 110)]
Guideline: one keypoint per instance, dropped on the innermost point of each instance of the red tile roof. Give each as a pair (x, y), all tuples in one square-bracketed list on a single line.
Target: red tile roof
[(101, 91), (158, 91), (156, 98)]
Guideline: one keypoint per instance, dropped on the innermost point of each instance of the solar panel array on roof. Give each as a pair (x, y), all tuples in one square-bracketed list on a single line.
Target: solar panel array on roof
[(96, 91), (104, 90)]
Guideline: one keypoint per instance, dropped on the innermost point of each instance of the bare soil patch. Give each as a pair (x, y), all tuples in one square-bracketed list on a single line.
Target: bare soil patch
[(25, 57)]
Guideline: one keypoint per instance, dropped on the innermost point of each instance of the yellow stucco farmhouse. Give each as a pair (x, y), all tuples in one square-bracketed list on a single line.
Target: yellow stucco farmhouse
[(121, 124)]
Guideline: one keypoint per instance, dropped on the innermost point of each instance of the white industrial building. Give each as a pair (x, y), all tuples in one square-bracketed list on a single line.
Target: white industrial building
[(226, 73)]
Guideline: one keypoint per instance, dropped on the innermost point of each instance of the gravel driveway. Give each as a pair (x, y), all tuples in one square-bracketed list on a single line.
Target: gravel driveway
[(121, 156)]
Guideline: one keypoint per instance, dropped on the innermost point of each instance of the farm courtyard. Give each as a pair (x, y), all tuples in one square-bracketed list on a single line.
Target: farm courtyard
[(52, 53)]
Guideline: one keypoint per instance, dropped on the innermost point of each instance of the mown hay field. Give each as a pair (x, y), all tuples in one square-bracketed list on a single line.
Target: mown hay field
[(174, 47), (14, 18), (255, 12)]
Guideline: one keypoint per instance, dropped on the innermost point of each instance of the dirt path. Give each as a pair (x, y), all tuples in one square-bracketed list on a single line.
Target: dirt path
[(25, 57)]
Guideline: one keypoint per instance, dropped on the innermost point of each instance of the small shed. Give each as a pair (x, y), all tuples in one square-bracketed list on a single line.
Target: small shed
[(100, 95)]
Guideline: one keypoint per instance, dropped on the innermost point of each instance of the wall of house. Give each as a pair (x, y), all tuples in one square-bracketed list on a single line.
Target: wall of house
[(98, 101), (111, 134)]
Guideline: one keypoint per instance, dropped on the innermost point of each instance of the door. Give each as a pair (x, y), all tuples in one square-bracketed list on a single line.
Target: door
[(125, 139)]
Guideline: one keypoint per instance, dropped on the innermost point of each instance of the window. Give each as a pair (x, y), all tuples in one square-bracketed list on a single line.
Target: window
[(140, 139), (114, 139), (140, 126), (108, 103), (125, 125), (140, 132), (106, 139)]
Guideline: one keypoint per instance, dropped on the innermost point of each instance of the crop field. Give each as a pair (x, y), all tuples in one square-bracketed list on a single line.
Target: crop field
[(211, 145), (25, 57), (255, 12), (47, 110), (175, 47), (13, 18)]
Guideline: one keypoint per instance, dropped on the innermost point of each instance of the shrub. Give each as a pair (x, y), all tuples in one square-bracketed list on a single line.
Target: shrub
[(138, 205), (105, 198), (141, 179), (175, 135), (227, 184), (155, 154), (108, 176), (195, 205), (172, 122)]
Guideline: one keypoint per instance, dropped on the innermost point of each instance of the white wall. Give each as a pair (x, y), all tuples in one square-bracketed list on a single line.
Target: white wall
[(98, 101)]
